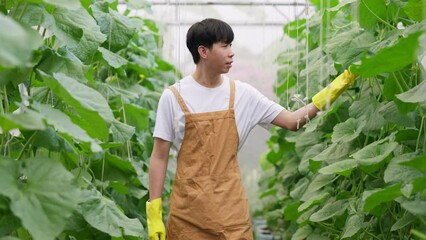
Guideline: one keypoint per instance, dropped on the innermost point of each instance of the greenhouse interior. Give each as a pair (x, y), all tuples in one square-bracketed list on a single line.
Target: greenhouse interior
[(327, 139)]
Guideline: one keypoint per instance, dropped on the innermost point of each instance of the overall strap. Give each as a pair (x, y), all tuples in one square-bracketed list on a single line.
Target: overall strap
[(231, 94), (180, 100)]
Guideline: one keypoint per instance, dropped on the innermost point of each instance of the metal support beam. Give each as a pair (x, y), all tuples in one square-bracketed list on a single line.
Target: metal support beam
[(228, 3)]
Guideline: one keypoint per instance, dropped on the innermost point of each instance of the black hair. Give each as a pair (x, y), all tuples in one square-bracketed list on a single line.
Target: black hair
[(206, 33)]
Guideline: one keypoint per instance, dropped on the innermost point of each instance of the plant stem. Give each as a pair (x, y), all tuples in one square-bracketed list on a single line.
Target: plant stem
[(26, 145)]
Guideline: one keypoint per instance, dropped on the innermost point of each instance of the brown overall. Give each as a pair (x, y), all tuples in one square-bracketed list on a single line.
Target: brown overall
[(208, 201)]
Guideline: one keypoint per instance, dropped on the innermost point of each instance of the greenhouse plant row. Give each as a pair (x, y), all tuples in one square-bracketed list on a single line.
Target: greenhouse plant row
[(358, 171), (80, 82)]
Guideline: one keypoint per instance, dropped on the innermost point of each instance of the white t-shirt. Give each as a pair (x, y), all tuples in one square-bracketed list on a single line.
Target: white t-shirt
[(251, 108)]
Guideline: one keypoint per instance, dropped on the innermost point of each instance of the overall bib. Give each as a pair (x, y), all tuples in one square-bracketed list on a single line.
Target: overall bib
[(208, 201)]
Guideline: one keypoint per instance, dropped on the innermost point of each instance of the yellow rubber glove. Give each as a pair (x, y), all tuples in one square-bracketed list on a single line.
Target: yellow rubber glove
[(329, 94), (154, 213)]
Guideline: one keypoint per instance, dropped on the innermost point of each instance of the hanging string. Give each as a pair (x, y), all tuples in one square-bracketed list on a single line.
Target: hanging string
[(307, 48), (178, 37), (297, 46)]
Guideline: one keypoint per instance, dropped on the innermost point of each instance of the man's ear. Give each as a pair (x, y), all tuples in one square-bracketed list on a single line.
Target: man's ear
[(202, 51)]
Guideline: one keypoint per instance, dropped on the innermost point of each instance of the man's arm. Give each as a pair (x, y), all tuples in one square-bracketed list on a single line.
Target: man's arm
[(158, 167), (295, 120)]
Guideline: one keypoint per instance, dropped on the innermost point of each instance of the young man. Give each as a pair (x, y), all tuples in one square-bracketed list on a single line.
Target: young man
[(207, 117)]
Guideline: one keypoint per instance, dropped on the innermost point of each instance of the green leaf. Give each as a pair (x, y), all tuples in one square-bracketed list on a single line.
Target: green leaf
[(403, 222), (302, 233), (374, 153), (117, 27), (63, 124), (22, 121), (79, 96), (78, 30), (414, 95), (136, 116), (315, 199), (392, 58), (415, 207), (43, 194), (318, 182), (294, 29), (331, 209), (299, 188), (348, 130), (342, 167), (70, 4), (121, 132), (416, 9), (113, 59), (352, 226), (370, 13), (418, 163), (395, 172), (52, 63), (103, 214), (367, 108), (319, 4), (290, 211), (17, 46), (342, 4), (347, 46), (377, 196), (50, 140)]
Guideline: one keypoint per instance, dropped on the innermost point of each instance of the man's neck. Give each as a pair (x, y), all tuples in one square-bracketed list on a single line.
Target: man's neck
[(206, 79)]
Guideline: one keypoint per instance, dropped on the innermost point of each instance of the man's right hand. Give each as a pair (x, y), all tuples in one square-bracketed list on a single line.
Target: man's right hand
[(154, 213)]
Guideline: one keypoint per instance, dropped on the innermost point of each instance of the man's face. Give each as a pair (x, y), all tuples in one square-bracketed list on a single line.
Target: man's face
[(220, 57)]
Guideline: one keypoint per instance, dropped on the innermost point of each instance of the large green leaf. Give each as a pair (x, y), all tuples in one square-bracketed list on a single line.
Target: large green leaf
[(315, 199), (416, 207), (395, 172), (50, 140), (136, 116), (318, 182), (418, 163), (52, 63), (353, 225), (370, 12), (416, 9), (23, 121), (331, 209), (392, 58), (342, 167), (113, 59), (367, 108), (86, 101), (374, 153), (348, 130), (377, 196), (43, 194), (402, 222), (348, 46), (414, 95), (294, 29), (121, 132), (17, 46), (71, 4), (104, 215), (118, 28), (302, 232), (74, 27), (319, 4), (63, 124)]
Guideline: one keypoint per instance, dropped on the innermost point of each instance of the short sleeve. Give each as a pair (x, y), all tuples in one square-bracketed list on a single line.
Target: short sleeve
[(164, 119), (264, 110)]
